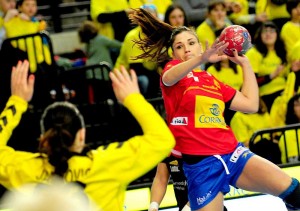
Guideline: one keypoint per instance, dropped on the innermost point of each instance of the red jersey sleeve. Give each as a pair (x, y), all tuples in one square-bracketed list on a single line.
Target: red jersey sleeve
[(227, 91)]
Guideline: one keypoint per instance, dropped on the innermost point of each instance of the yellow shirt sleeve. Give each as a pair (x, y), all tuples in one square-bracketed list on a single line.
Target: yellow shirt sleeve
[(205, 33), (10, 117)]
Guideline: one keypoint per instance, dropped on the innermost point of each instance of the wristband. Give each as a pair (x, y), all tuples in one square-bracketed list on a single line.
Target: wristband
[(186, 208), (153, 205)]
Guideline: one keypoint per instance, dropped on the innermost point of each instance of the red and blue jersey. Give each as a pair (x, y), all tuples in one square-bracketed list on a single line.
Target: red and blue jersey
[(195, 106)]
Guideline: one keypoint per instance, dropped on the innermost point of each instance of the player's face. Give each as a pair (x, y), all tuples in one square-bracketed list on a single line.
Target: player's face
[(268, 36), (186, 46), (176, 17)]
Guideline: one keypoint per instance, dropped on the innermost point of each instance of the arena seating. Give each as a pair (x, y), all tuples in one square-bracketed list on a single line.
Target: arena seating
[(268, 148)]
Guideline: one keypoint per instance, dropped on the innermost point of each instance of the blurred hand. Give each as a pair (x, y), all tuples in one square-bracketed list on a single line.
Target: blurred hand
[(21, 85), (124, 84), (236, 7), (277, 72), (24, 17), (10, 14), (261, 17), (42, 25), (238, 59)]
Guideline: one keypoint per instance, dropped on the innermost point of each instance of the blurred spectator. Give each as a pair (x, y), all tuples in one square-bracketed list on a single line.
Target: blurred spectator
[(98, 46), (268, 60), (279, 107), (160, 5), (290, 32), (275, 10), (7, 11), (112, 17), (26, 23), (238, 12), (196, 10), (295, 65), (215, 22), (176, 16), (146, 70), (291, 145), (244, 125)]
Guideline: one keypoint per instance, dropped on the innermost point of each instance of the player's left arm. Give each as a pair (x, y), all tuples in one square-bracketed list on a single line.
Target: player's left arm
[(22, 91), (246, 100)]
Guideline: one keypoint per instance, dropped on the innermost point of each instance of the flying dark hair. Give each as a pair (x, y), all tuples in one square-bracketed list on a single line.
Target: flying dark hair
[(279, 45), (59, 124), (159, 36)]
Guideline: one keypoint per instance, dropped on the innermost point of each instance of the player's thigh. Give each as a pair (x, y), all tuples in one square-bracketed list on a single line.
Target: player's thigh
[(261, 175)]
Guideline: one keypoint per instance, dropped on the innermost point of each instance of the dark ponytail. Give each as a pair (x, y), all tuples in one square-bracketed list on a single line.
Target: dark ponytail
[(60, 123), (157, 33), (158, 36)]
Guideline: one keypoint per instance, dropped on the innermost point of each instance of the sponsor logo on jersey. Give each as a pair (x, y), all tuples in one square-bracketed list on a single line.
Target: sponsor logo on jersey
[(209, 113), (179, 121), (182, 183), (215, 111)]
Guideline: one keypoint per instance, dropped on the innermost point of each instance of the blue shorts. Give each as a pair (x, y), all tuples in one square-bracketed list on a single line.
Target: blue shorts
[(214, 174)]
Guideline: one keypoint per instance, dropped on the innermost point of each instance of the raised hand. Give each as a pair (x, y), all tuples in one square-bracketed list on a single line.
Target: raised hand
[(21, 84), (239, 59), (124, 84), (215, 52)]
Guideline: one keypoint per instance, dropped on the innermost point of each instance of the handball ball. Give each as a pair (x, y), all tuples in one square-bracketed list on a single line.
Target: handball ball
[(238, 38)]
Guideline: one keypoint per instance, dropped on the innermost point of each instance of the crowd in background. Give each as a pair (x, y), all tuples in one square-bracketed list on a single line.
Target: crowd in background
[(275, 30)]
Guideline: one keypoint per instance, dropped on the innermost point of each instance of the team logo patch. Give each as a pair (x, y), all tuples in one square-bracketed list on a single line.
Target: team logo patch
[(237, 153), (179, 121), (214, 109)]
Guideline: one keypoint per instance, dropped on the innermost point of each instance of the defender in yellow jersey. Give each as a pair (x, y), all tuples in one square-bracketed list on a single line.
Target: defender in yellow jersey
[(104, 172)]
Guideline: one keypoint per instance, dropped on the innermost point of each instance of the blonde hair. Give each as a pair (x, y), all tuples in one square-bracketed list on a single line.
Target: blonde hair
[(57, 196)]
